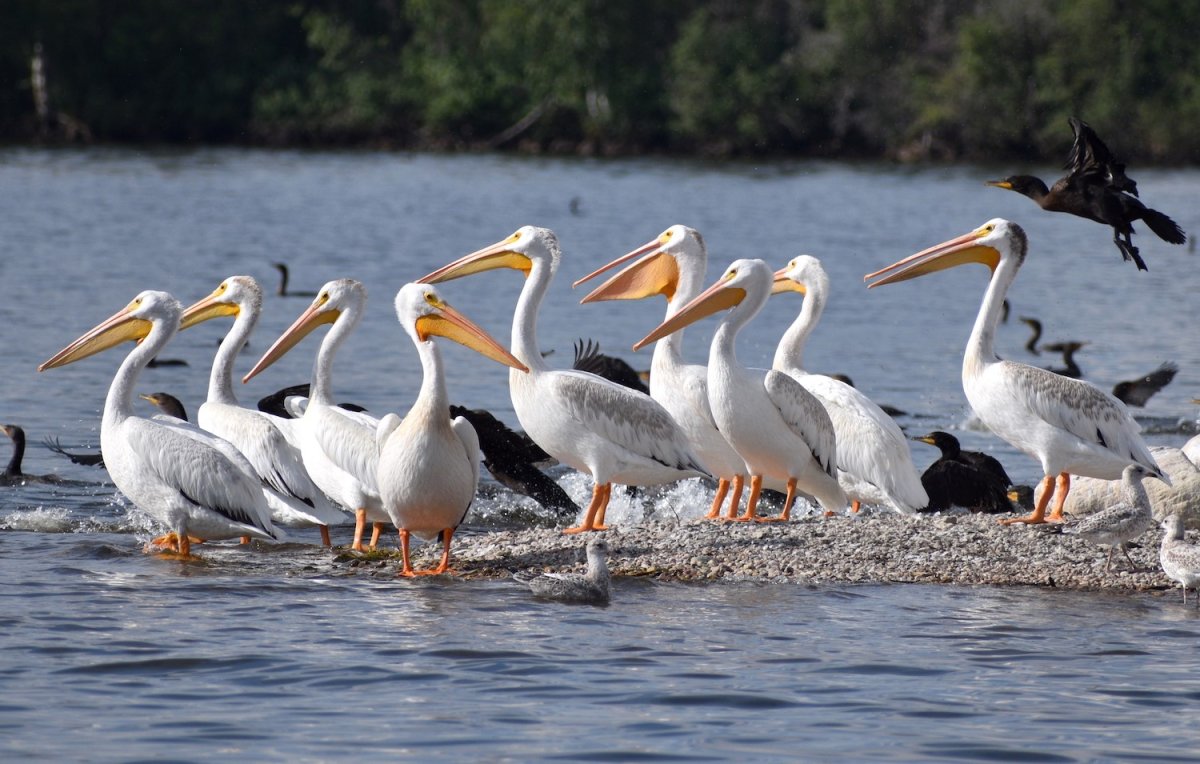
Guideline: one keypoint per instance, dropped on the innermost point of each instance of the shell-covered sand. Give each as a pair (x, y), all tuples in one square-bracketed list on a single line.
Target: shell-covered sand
[(876, 547)]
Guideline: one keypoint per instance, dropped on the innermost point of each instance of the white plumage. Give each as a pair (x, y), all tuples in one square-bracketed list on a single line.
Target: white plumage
[(1179, 559), (339, 449), (614, 434), (190, 481), (295, 501), (1068, 425), (874, 463), (673, 265), (776, 426)]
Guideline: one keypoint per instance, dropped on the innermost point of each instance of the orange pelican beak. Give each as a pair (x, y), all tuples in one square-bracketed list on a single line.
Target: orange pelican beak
[(784, 284), (449, 323), (719, 296), (121, 327), (657, 272), (957, 251), (498, 255), (209, 307), (316, 315)]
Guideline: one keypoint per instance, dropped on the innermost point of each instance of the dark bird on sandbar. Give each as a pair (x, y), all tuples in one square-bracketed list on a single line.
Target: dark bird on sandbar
[(968, 479), (589, 358), (164, 402), (1135, 392), (1097, 188)]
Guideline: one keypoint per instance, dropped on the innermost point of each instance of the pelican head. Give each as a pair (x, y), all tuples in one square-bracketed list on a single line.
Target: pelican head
[(133, 322), (799, 275), (423, 313), (657, 270), (526, 247), (990, 244), (335, 298), (741, 280), (235, 295)]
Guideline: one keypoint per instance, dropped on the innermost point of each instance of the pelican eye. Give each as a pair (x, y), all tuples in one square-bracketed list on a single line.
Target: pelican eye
[(432, 299)]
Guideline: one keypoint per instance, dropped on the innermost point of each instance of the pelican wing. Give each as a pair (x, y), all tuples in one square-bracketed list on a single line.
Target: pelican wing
[(200, 468), (630, 419), (348, 442), (692, 386), (805, 416), (470, 440), (385, 428), (1081, 409), (269, 452)]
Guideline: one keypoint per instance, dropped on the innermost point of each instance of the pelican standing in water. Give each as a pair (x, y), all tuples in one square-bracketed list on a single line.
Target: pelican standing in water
[(873, 460), (778, 428), (338, 446), (614, 434), (297, 502), (428, 462), (192, 482), (1068, 425), (673, 265)]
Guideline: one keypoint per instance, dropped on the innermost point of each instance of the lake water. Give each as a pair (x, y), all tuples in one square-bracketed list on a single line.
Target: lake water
[(106, 653)]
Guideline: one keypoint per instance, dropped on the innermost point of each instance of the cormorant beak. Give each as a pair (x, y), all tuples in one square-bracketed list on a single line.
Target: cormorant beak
[(316, 315), (719, 296), (1000, 184), (924, 439), (121, 327), (498, 255), (655, 273), (957, 251), (449, 323)]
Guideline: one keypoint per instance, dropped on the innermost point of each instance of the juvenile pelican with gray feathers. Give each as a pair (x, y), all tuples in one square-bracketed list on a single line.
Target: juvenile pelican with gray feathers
[(614, 434), (194, 483), (1068, 425)]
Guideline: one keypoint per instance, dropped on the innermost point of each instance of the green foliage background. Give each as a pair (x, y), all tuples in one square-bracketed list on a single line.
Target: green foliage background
[(904, 79)]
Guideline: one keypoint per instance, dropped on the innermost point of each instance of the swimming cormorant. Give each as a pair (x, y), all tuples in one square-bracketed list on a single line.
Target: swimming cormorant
[(1135, 392)]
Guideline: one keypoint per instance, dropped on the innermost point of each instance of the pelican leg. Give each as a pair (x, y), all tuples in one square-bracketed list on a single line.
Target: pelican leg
[(715, 511), (1060, 498), (360, 525), (1039, 512), (244, 540), (751, 502), (739, 482), (787, 505), (406, 567), (855, 505), (444, 565), (325, 535), (600, 496), (376, 529), (599, 525)]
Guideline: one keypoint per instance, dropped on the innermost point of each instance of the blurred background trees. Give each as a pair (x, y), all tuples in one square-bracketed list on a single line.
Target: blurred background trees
[(903, 79)]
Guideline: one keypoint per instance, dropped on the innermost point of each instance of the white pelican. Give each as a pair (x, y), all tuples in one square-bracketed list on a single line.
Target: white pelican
[(673, 265), (1068, 425), (873, 460), (615, 434), (190, 481), (338, 447), (296, 501), (778, 428), (428, 462)]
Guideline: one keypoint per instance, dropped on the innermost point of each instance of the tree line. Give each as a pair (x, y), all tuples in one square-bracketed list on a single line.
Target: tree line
[(902, 79)]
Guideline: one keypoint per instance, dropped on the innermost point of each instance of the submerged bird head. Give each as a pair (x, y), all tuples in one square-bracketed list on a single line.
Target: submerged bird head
[(1026, 185), (232, 297), (522, 250), (337, 298), (656, 267), (423, 313), (744, 280), (133, 322), (991, 243)]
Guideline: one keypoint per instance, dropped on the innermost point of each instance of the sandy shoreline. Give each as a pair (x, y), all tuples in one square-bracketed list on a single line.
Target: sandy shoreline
[(880, 547)]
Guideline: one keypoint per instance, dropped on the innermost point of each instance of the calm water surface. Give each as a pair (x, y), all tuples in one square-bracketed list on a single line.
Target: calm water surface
[(106, 653)]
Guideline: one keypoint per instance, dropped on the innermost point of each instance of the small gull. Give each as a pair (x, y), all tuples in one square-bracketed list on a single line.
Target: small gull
[(1179, 559), (591, 587), (1121, 522)]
